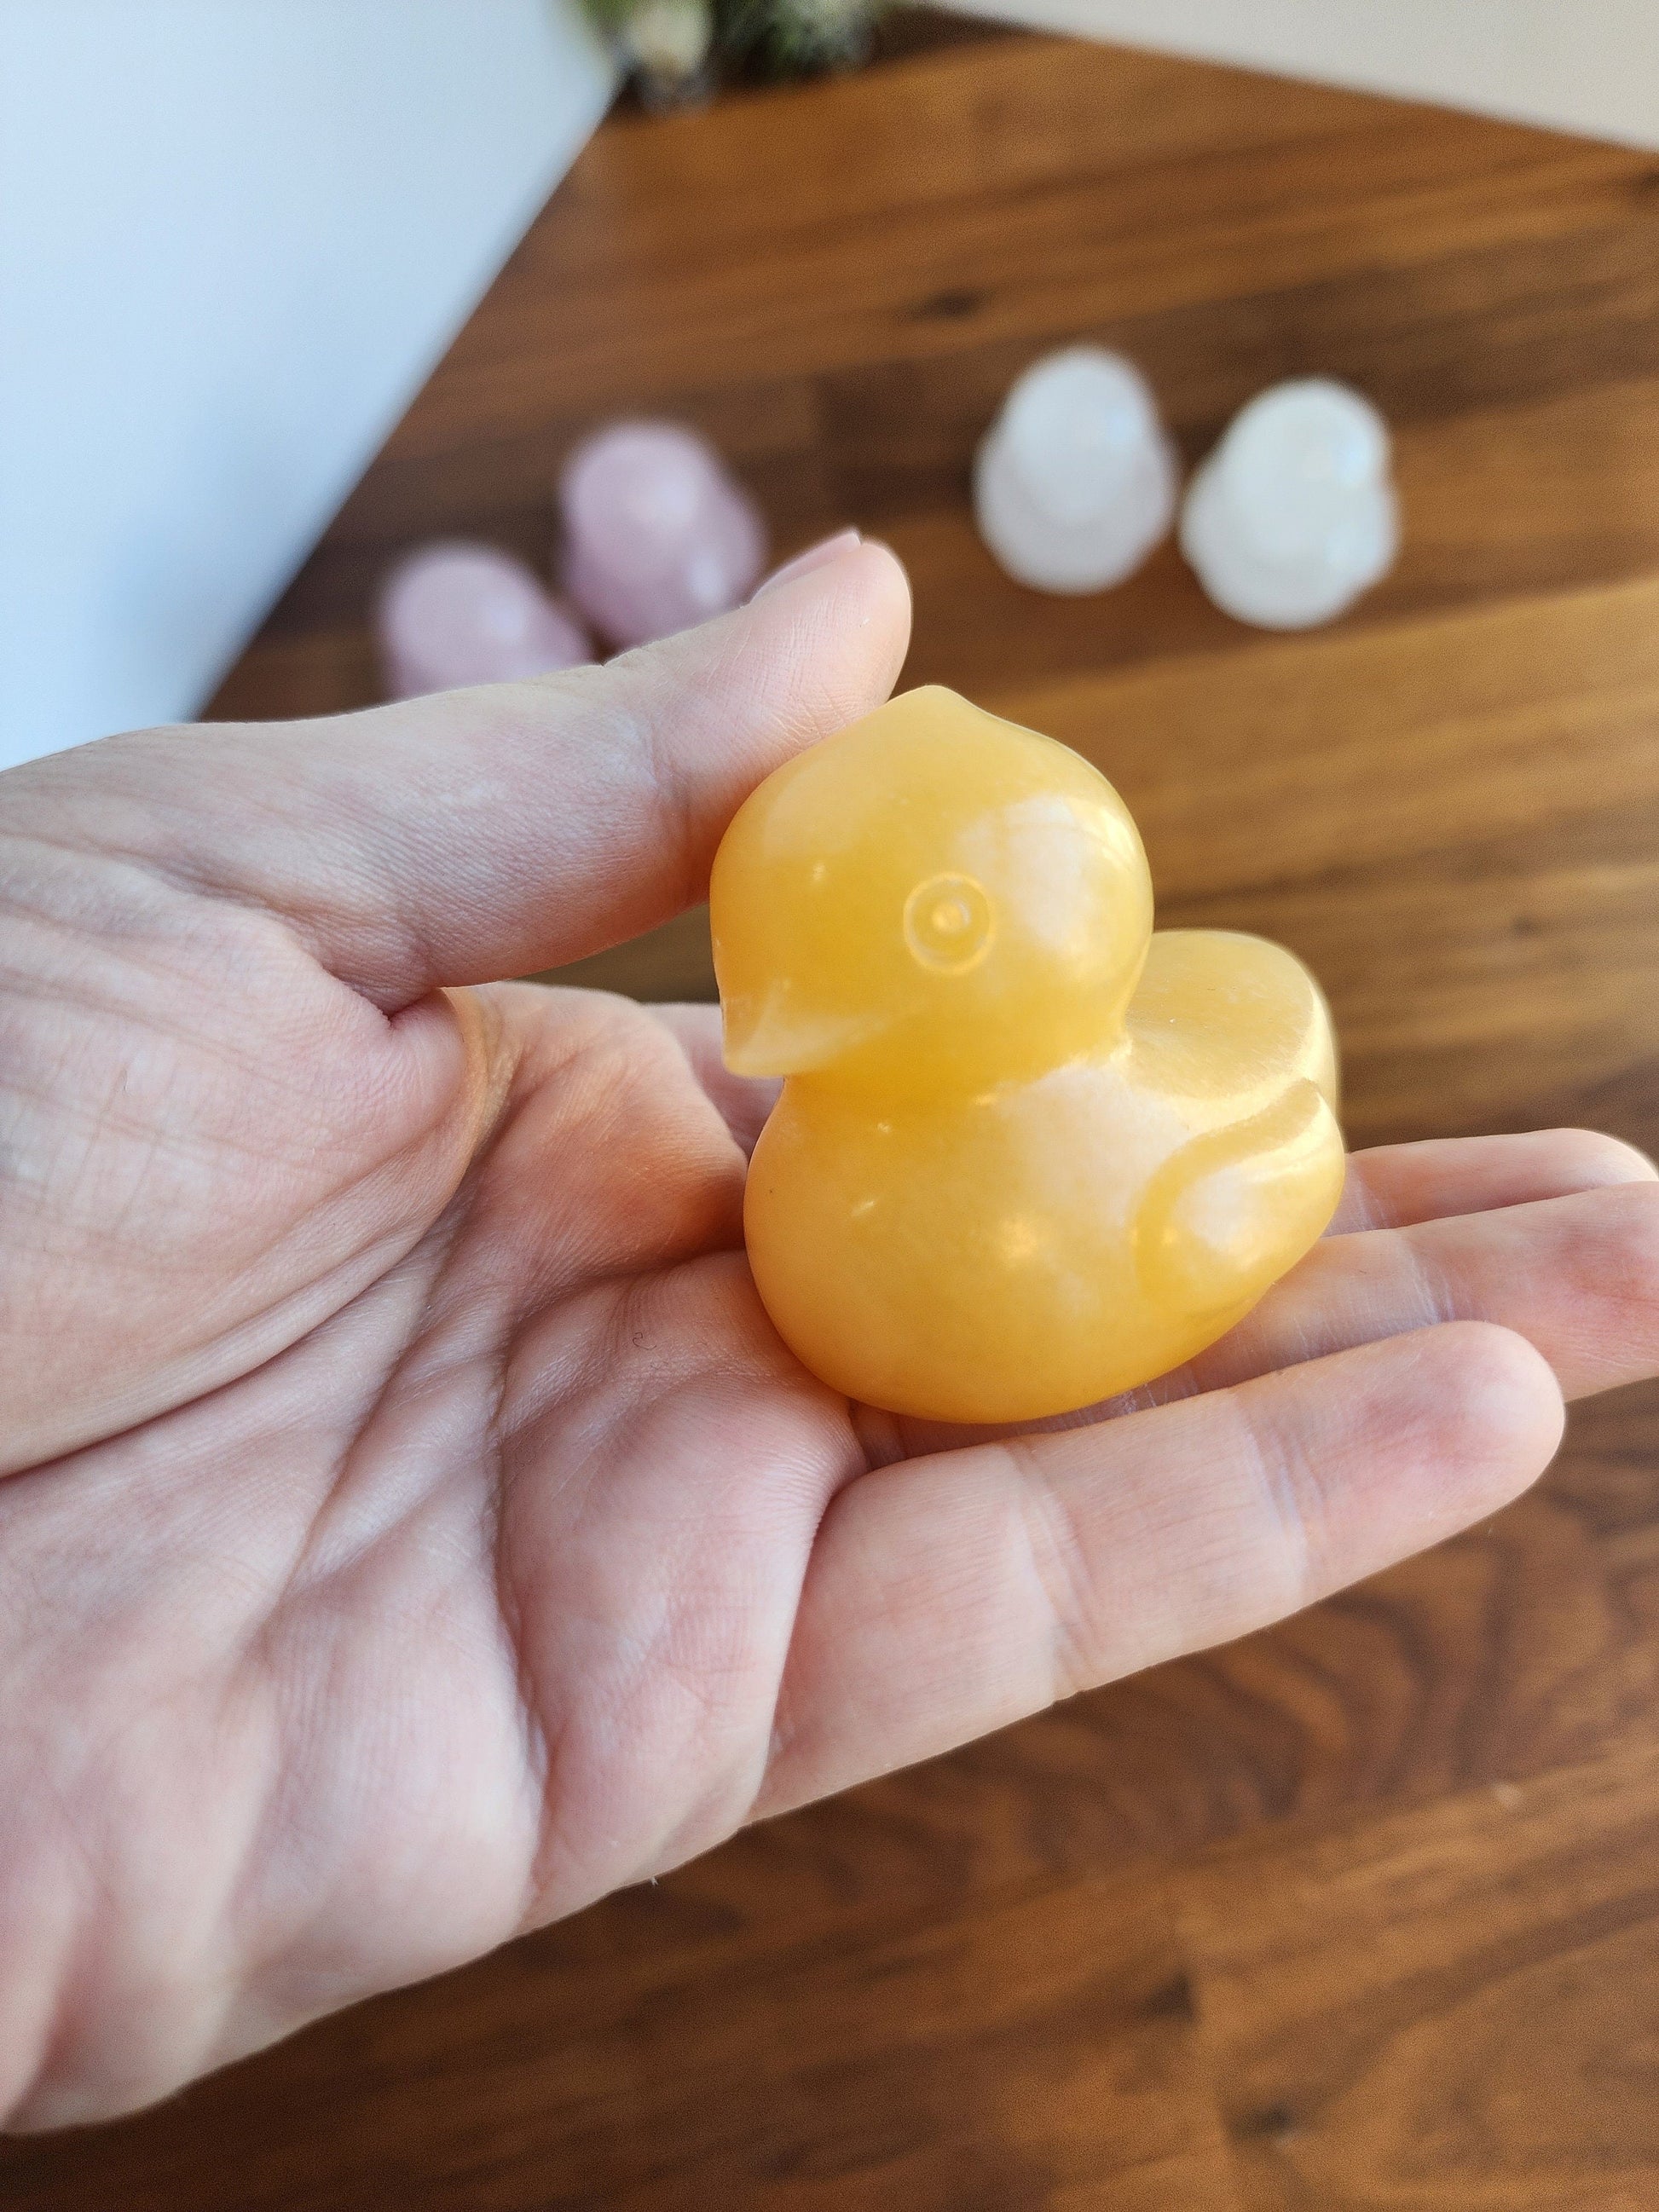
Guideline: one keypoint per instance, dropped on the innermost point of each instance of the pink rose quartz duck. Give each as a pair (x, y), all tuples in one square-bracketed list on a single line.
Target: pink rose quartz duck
[(657, 536), (457, 614)]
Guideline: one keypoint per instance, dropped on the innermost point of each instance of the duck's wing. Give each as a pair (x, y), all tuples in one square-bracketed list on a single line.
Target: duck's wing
[(1233, 1033), (1230, 1211), (1224, 1025)]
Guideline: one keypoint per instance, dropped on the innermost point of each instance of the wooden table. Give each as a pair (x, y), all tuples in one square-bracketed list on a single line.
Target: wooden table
[(1363, 1912)]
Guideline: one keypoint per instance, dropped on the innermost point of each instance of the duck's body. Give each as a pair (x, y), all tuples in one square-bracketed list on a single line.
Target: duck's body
[(945, 1238), (1126, 1208)]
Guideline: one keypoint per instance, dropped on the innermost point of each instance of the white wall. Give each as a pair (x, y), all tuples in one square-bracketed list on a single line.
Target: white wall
[(235, 236), (1589, 65)]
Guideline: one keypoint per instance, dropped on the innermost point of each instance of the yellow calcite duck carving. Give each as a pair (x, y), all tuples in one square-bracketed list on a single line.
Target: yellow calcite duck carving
[(1028, 1154)]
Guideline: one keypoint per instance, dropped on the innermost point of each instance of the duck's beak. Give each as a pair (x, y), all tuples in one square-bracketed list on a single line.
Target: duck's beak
[(770, 1033)]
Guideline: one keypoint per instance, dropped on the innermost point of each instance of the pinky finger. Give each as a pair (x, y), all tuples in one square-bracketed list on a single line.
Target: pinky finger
[(948, 1596)]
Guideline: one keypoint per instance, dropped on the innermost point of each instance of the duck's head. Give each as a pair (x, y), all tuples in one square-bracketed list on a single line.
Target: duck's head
[(931, 899)]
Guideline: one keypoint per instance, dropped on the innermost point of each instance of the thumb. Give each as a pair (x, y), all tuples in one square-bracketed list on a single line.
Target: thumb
[(481, 833)]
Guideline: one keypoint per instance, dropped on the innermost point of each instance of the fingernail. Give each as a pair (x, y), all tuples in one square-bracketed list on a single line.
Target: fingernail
[(815, 556)]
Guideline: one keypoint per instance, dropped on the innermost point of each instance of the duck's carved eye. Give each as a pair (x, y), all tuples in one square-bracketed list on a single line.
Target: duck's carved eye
[(949, 924)]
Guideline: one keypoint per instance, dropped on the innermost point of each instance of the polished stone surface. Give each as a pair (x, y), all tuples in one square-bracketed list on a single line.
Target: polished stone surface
[(1294, 515), (1076, 483), (454, 614), (657, 534)]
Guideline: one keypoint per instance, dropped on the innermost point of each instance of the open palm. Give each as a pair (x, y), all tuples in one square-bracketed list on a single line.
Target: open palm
[(414, 1527)]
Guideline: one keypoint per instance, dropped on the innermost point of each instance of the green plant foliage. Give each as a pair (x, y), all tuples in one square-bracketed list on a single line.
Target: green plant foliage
[(783, 37), (795, 36)]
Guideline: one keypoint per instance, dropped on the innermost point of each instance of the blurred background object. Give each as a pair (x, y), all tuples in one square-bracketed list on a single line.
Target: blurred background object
[(665, 46), (657, 533), (674, 51), (1294, 514), (457, 614), (797, 36), (1075, 482)]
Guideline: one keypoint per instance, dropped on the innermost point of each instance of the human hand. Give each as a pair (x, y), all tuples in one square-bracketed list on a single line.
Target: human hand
[(414, 1527)]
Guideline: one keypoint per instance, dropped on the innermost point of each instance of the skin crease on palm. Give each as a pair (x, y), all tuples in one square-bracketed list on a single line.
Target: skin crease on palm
[(413, 1529)]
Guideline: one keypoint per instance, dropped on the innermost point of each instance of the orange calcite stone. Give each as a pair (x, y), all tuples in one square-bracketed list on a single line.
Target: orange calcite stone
[(1028, 1154)]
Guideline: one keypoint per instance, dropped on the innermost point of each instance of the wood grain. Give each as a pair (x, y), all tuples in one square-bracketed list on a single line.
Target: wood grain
[(1360, 1913), (940, 2060), (1470, 2015)]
